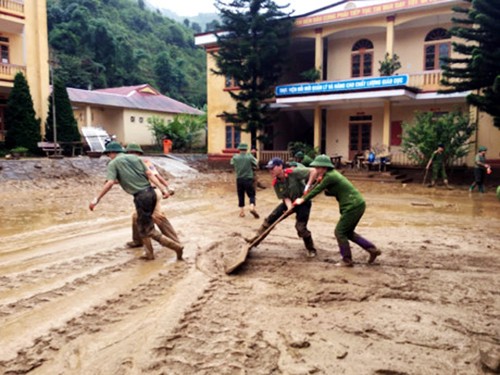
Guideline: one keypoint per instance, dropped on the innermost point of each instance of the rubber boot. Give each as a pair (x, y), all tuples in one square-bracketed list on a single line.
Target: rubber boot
[(345, 251), (167, 242), (446, 185), (308, 242), (148, 249), (261, 230), (481, 188), (136, 238), (367, 246), (432, 184)]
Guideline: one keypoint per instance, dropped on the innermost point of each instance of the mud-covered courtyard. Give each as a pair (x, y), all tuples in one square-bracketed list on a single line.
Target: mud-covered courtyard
[(75, 300)]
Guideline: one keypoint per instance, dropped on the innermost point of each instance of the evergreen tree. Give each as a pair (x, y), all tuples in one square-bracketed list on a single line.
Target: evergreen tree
[(478, 67), (252, 51), (67, 127), (23, 128)]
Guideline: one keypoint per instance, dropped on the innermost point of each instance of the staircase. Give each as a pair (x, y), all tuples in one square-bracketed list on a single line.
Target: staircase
[(392, 176)]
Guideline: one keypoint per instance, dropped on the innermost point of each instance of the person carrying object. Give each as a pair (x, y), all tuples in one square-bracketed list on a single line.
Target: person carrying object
[(135, 178)]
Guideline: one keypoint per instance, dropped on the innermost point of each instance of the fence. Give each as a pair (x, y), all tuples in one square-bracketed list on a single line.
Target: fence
[(401, 159), (14, 5), (265, 156)]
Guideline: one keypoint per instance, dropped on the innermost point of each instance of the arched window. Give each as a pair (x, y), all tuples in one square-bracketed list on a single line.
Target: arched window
[(362, 58), (437, 45)]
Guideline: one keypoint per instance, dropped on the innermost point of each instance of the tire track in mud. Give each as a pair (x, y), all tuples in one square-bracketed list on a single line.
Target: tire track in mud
[(213, 338), (95, 318)]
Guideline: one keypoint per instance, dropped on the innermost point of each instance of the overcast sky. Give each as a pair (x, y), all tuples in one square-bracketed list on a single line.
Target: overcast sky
[(189, 8)]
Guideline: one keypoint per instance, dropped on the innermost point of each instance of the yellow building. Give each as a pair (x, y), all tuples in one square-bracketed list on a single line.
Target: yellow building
[(24, 48), (352, 108)]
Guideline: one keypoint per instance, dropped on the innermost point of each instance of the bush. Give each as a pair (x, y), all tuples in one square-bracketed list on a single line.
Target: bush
[(294, 147)]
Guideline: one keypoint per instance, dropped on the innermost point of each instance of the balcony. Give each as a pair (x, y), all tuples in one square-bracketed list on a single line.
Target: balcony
[(426, 81), (12, 7), (8, 71)]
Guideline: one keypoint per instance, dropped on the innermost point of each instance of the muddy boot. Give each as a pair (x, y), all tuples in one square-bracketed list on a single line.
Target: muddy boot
[(447, 185), (136, 238), (148, 249), (308, 242), (432, 184), (345, 262), (167, 242), (471, 188), (374, 253), (261, 230)]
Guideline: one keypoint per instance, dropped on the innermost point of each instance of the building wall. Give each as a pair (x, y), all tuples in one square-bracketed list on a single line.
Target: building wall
[(25, 24), (218, 101), (36, 55)]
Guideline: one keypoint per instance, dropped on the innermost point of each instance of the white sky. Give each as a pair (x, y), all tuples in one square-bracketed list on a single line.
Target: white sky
[(189, 8)]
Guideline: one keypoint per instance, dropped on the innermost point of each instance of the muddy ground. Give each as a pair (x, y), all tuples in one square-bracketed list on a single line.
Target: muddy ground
[(75, 300)]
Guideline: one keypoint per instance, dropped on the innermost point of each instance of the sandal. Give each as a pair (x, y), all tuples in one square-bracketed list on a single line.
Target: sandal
[(255, 214), (242, 214)]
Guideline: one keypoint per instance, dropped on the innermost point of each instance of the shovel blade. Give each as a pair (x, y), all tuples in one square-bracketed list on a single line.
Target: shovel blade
[(232, 264)]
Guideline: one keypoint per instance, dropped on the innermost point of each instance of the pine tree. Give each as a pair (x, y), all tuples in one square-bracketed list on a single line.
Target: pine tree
[(253, 50), (478, 67), (67, 127), (23, 128)]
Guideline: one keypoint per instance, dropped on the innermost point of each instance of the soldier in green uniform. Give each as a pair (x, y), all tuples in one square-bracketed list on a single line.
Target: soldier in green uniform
[(289, 184), (303, 159), (438, 166), (244, 165), (351, 204), (480, 168), (135, 178)]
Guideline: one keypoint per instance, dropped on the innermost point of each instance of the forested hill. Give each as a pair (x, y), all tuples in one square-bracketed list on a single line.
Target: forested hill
[(111, 43)]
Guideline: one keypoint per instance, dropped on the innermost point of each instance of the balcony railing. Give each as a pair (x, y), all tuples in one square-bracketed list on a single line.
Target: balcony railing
[(12, 5), (426, 81), (8, 71)]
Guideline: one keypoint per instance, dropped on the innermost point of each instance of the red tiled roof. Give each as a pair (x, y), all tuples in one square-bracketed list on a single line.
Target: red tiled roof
[(142, 97)]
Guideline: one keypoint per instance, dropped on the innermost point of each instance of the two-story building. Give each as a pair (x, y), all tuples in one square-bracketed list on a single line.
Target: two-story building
[(352, 108), (24, 48)]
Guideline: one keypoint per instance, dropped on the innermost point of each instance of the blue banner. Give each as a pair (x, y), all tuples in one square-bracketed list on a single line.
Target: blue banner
[(340, 86)]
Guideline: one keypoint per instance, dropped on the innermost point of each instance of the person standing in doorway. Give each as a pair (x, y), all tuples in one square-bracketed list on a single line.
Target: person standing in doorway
[(131, 173), (244, 165), (159, 217), (480, 168), (351, 204)]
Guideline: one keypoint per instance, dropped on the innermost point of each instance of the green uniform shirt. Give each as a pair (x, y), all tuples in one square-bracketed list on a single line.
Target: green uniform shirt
[(292, 186), (438, 158), (243, 165), (129, 171), (336, 185), (479, 159)]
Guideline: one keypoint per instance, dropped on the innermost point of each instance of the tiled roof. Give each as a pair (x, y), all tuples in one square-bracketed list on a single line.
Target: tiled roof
[(142, 97)]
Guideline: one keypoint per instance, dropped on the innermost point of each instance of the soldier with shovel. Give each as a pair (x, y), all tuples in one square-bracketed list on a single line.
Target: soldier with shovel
[(351, 204), (289, 184)]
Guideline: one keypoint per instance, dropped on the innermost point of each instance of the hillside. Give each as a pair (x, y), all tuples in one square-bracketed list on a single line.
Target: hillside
[(110, 43)]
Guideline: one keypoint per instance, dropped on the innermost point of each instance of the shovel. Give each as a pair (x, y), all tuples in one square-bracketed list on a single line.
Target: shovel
[(242, 255)]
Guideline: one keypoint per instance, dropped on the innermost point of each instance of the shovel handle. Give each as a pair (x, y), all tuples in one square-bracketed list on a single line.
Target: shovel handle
[(264, 234)]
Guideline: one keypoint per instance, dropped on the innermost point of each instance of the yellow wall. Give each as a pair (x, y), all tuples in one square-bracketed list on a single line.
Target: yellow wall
[(36, 55), (218, 102)]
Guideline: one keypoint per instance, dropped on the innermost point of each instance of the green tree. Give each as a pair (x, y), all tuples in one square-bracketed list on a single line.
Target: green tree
[(253, 51), (477, 68), (453, 130), (66, 125), (182, 130), (23, 128)]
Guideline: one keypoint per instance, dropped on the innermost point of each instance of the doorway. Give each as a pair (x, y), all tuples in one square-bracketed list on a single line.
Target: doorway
[(360, 128)]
